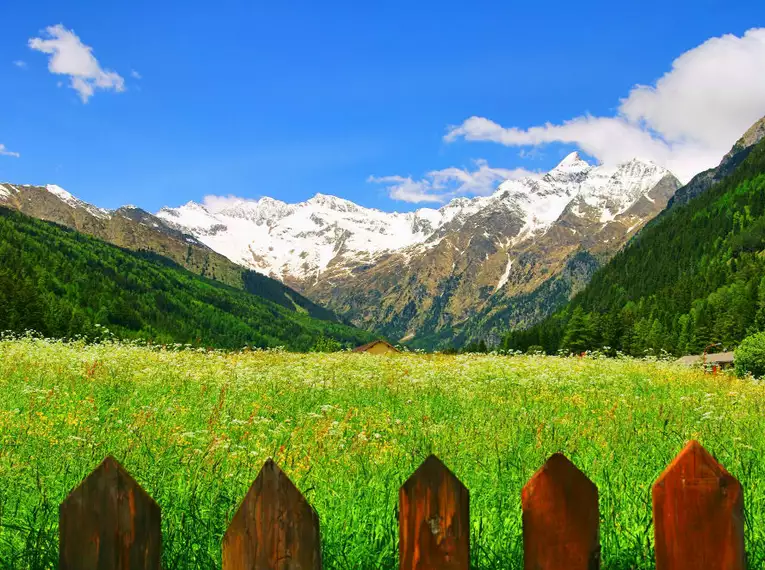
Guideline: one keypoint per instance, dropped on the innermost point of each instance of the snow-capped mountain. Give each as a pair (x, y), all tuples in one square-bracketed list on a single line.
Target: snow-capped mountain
[(300, 242), (411, 275), (473, 266)]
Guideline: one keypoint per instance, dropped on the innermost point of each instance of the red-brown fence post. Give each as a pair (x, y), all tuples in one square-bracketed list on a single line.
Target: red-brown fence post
[(698, 514), (560, 518), (274, 529), (109, 523), (434, 524)]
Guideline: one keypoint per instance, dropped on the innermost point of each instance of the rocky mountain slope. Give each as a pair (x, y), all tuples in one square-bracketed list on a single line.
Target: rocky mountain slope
[(429, 275), (135, 229), (705, 180), (694, 277)]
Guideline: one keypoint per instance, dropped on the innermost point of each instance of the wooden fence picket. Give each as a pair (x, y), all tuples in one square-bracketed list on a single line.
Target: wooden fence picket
[(698, 514), (434, 524), (109, 523), (274, 529), (560, 518)]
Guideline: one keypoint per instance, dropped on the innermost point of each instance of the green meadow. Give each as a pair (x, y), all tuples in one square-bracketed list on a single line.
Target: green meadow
[(194, 428)]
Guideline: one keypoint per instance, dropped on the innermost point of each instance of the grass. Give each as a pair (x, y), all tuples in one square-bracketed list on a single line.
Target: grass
[(194, 429)]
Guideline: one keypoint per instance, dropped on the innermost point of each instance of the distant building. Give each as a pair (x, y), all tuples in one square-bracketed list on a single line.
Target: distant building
[(719, 361), (377, 347)]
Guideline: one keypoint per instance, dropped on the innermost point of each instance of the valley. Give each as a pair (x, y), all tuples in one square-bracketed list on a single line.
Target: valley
[(382, 286), (433, 279), (428, 275)]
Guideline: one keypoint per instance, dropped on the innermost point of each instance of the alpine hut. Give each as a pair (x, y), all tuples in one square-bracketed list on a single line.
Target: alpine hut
[(377, 347)]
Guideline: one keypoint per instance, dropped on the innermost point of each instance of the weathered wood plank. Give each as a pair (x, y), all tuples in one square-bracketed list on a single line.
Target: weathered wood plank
[(109, 523), (698, 514), (274, 529), (434, 525), (560, 518)]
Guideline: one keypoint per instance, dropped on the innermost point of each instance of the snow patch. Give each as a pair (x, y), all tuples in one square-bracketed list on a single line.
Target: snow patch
[(63, 195), (74, 202), (505, 275)]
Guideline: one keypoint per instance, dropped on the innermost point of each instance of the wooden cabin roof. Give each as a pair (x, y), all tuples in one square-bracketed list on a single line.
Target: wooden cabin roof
[(719, 358), (367, 346)]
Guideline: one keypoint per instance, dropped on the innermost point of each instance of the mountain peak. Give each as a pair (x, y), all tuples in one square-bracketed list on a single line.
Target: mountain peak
[(332, 202), (572, 163), (750, 138), (320, 198), (62, 194), (74, 202)]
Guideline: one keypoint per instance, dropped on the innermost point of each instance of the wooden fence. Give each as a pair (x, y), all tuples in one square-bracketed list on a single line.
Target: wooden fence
[(110, 523)]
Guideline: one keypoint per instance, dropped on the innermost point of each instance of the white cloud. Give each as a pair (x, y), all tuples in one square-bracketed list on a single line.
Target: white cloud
[(69, 56), (219, 203), (134, 74), (686, 122), (20, 64), (5, 152), (439, 186), (407, 189)]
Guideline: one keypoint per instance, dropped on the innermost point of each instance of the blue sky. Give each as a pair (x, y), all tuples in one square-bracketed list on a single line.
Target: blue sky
[(288, 99)]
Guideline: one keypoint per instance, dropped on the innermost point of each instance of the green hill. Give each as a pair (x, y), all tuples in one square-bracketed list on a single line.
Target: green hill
[(693, 277), (62, 283), (135, 229)]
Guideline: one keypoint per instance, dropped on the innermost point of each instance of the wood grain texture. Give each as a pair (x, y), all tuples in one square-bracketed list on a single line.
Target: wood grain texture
[(560, 518), (109, 523), (434, 525), (698, 515), (274, 529)]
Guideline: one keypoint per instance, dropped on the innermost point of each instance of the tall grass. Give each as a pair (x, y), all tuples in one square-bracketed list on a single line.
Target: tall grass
[(194, 429)]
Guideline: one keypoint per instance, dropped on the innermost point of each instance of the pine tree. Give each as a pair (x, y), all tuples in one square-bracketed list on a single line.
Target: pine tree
[(578, 336)]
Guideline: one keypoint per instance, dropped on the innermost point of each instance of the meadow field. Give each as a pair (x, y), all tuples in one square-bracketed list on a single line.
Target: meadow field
[(194, 428)]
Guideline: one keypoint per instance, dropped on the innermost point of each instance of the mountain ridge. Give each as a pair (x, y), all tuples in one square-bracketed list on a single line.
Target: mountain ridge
[(410, 275), (413, 276), (735, 156), (394, 231), (62, 283), (136, 229)]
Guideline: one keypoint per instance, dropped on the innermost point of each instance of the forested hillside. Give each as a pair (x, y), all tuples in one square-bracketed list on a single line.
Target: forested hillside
[(694, 277), (62, 283), (135, 229)]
